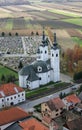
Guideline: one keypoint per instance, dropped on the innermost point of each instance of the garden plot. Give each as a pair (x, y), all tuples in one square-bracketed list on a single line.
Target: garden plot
[(74, 33), (19, 23)]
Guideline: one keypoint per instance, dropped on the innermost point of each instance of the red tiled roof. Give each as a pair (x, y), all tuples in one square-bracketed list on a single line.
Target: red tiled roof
[(73, 98), (32, 124), (9, 89), (11, 115), (55, 103)]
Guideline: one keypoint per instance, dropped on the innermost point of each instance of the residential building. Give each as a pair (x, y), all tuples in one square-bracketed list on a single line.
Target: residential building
[(52, 109), (73, 125), (71, 101), (10, 116), (45, 69), (11, 94)]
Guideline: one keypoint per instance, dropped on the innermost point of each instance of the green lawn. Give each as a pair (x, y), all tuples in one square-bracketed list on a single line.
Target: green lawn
[(77, 21), (9, 24), (66, 13), (5, 71), (77, 40), (45, 88)]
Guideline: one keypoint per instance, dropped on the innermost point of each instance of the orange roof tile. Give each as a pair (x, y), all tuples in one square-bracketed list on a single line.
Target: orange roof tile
[(73, 98), (11, 115), (9, 89), (32, 124)]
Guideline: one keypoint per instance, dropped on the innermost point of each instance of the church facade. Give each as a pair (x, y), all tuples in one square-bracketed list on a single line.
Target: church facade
[(46, 68)]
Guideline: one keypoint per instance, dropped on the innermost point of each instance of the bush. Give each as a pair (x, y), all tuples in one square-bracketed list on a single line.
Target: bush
[(77, 76)]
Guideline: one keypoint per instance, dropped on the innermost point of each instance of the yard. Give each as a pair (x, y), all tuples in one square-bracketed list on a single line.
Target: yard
[(7, 73)]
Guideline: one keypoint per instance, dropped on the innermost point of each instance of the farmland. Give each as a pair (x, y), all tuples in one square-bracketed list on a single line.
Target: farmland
[(63, 18)]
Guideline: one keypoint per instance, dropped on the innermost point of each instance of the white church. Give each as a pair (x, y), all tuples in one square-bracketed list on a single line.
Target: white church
[(46, 68)]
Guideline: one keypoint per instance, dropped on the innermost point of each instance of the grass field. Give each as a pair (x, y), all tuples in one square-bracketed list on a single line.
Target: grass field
[(66, 13), (77, 40), (9, 24), (5, 71), (77, 21), (4, 14)]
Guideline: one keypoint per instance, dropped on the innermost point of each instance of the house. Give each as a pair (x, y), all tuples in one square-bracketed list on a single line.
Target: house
[(11, 94), (52, 109), (71, 101), (10, 116), (32, 124), (78, 108), (73, 125), (45, 69)]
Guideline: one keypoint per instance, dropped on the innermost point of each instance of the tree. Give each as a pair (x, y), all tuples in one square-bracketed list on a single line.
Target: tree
[(16, 34), (32, 33), (37, 33), (3, 78), (10, 78), (20, 65), (10, 34), (77, 76), (3, 34), (61, 95)]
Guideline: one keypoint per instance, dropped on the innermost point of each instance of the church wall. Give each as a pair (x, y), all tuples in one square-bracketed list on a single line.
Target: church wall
[(51, 75), (34, 84), (43, 78), (48, 76), (22, 81)]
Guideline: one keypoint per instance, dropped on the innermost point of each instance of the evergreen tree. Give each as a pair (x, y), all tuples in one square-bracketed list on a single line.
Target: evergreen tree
[(3, 34)]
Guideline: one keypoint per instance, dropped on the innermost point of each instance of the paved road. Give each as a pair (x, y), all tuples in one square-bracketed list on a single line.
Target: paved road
[(65, 78), (30, 104)]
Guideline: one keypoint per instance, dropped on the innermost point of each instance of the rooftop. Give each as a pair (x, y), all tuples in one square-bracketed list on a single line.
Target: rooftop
[(12, 115), (32, 124), (9, 89), (72, 98), (55, 103), (74, 124)]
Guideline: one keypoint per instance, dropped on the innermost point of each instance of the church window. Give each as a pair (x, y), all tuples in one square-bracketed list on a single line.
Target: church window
[(39, 69), (2, 100), (40, 78), (45, 52), (56, 55), (52, 55)]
